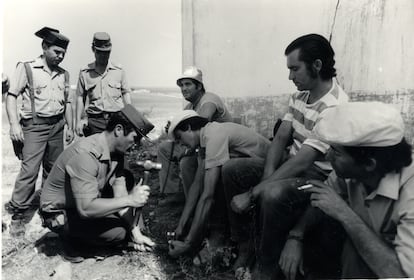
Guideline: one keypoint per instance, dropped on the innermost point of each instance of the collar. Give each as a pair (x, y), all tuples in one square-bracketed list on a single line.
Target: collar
[(40, 63), (389, 187), (92, 65)]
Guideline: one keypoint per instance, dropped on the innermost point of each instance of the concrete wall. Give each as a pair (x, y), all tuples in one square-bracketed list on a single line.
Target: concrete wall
[(239, 45)]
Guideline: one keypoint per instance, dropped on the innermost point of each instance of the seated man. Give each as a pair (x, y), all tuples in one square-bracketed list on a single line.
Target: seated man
[(370, 193), (310, 60), (85, 197), (207, 105), (220, 146)]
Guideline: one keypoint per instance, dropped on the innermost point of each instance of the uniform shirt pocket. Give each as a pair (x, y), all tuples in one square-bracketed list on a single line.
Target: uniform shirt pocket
[(114, 89)]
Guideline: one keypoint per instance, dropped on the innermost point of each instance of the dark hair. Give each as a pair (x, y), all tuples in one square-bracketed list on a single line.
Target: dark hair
[(312, 47), (119, 118), (197, 83), (388, 159), (195, 123)]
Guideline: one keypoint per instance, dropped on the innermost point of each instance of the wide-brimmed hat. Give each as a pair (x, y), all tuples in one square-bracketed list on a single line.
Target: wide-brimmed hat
[(182, 116), (368, 124), (193, 73), (53, 37), (101, 41)]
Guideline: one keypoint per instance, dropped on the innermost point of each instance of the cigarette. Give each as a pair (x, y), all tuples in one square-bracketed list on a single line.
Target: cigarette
[(304, 187)]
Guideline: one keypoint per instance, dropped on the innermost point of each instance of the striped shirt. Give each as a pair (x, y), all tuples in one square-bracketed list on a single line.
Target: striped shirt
[(303, 117)]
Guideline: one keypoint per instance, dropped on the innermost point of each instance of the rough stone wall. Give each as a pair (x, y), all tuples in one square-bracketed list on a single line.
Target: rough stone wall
[(261, 113)]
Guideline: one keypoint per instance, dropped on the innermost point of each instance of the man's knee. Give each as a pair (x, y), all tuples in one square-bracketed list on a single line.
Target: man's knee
[(276, 192), (115, 235)]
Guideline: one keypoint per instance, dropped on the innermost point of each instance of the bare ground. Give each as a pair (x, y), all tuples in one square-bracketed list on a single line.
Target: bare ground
[(37, 255)]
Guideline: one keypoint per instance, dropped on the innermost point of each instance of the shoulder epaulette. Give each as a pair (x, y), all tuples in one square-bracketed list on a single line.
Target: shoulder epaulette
[(117, 65), (88, 67), (31, 61), (96, 153)]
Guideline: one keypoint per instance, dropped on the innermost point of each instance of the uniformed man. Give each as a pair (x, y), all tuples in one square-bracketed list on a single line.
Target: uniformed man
[(85, 199), (103, 83), (44, 87)]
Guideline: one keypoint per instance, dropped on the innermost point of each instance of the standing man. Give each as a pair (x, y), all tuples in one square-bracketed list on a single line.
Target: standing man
[(310, 60), (85, 199), (221, 146), (103, 83), (371, 191), (207, 105), (44, 87)]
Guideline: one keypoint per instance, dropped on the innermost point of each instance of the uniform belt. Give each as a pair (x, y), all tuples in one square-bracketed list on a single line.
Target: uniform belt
[(103, 115), (43, 120)]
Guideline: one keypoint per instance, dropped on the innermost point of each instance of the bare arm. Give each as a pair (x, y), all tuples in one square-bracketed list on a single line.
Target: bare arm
[(207, 111), (80, 106), (277, 147), (291, 168), (204, 204), (379, 256), (16, 133), (101, 207), (127, 98), (192, 199)]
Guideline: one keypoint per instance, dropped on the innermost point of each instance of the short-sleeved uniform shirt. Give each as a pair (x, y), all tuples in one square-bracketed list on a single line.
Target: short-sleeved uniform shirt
[(104, 92), (49, 89), (303, 117), (388, 210), (221, 114), (223, 141), (81, 171)]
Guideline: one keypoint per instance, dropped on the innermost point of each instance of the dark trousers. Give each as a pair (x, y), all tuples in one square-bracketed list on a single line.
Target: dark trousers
[(43, 143), (239, 175), (280, 207)]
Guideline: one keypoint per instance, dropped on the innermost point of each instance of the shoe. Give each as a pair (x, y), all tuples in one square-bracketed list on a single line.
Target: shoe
[(70, 252), (17, 227)]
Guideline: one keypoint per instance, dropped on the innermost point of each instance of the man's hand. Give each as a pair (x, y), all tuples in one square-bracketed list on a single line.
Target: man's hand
[(16, 132), (291, 259), (80, 125), (178, 248), (69, 136), (179, 232), (141, 242), (139, 195), (241, 202), (327, 199)]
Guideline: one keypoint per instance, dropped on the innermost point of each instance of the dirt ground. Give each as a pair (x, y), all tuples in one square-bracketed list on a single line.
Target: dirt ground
[(37, 255)]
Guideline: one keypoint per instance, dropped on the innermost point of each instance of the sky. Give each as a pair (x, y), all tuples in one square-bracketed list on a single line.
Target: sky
[(145, 34)]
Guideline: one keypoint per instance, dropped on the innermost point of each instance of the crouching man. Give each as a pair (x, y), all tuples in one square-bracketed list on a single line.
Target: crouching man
[(370, 194), (222, 148), (85, 198)]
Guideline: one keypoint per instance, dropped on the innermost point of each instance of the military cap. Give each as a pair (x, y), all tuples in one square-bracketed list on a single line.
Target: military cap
[(141, 123), (53, 37), (367, 124), (102, 41)]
